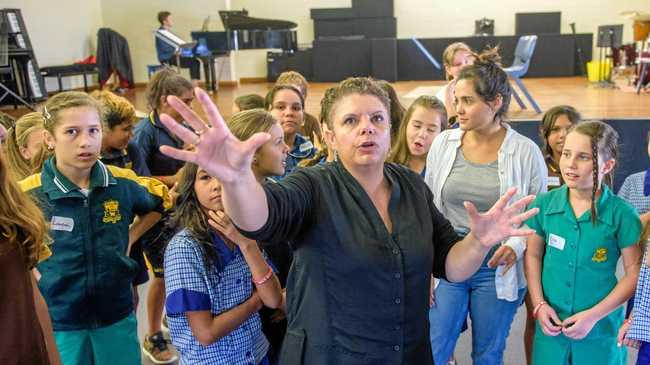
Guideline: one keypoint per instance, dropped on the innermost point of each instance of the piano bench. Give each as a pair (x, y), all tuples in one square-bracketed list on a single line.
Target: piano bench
[(152, 69), (70, 70)]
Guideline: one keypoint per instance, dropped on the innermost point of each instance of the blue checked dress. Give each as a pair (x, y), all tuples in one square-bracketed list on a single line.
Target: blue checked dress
[(636, 191), (189, 287), (640, 329)]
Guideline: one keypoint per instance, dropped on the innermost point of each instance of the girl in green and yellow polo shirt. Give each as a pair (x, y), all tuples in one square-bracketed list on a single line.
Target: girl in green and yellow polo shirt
[(90, 206), (582, 230)]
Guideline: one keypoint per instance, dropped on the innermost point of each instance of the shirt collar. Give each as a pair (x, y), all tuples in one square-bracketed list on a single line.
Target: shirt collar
[(113, 154), (154, 119), (226, 255), (456, 135), (302, 147), (58, 186), (560, 204)]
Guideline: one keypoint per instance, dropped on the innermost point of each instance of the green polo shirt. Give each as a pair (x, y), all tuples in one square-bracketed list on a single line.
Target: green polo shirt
[(580, 258), (87, 280)]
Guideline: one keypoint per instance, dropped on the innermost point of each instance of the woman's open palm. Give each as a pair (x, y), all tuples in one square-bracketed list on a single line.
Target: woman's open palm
[(216, 150), (502, 220)]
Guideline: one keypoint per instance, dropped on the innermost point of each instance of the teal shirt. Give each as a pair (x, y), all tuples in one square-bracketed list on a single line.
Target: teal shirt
[(579, 268), (87, 280)]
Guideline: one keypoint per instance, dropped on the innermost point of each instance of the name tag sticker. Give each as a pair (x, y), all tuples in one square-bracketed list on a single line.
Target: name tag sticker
[(553, 181), (62, 224), (556, 241), (306, 146)]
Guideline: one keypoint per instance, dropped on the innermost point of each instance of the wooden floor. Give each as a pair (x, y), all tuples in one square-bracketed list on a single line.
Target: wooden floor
[(593, 102)]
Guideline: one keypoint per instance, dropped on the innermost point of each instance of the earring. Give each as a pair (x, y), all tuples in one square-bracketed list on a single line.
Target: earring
[(50, 147)]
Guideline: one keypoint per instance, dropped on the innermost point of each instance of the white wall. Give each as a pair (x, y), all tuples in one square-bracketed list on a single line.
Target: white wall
[(61, 31)]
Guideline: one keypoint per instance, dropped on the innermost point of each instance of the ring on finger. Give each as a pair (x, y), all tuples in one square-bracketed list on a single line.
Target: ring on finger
[(197, 140)]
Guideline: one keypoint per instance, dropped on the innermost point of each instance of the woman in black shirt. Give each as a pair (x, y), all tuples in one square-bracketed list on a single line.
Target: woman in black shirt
[(366, 235)]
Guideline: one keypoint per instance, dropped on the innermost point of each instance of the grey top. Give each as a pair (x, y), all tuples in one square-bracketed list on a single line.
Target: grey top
[(468, 181)]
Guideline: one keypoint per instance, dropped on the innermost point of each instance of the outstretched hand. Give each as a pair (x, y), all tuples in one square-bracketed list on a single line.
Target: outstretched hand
[(217, 150), (500, 222)]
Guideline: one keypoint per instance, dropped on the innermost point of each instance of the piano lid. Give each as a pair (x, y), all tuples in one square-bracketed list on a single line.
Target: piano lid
[(239, 20)]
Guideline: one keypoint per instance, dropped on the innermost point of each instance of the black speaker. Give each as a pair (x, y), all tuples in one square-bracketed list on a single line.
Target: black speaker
[(385, 27), (373, 8), (383, 59), (278, 62), (334, 28), (538, 23), (300, 61), (333, 13), (335, 59)]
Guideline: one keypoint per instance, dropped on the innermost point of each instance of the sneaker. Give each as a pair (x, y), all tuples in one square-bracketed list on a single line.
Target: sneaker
[(155, 347), (163, 325)]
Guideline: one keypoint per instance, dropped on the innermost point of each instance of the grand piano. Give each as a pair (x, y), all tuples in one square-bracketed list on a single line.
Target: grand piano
[(242, 32)]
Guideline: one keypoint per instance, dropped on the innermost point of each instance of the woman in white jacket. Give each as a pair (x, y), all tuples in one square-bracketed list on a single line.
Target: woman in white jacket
[(478, 162)]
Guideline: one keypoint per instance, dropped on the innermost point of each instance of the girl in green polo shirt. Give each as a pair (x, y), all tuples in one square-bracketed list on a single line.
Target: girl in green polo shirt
[(582, 230), (90, 207)]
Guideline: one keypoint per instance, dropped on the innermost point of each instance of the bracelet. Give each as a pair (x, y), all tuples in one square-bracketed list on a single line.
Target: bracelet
[(537, 307), (265, 278)]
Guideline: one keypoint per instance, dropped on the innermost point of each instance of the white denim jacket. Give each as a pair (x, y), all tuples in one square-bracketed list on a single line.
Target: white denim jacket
[(520, 164)]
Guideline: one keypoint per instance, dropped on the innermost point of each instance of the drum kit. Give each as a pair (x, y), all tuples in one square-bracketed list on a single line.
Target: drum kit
[(637, 56)]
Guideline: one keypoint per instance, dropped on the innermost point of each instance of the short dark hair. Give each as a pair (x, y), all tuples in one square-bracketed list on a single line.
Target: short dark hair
[(355, 85), (270, 96), (162, 16)]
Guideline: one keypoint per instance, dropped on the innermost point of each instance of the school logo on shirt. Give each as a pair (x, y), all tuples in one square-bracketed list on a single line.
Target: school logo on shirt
[(600, 255), (111, 212)]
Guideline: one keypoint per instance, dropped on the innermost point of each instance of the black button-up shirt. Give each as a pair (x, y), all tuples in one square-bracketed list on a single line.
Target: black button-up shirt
[(356, 293)]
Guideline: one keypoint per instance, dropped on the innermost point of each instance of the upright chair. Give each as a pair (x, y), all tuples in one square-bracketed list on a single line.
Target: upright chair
[(523, 55)]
